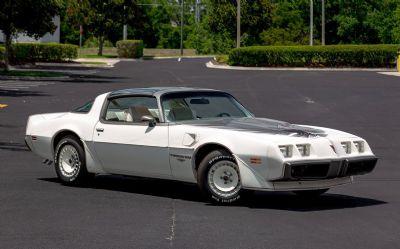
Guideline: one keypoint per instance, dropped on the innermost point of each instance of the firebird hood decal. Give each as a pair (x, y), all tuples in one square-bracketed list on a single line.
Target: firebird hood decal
[(259, 125)]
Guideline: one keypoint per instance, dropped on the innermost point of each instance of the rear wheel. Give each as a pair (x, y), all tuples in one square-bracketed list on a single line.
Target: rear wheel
[(219, 178), (69, 161), (310, 193)]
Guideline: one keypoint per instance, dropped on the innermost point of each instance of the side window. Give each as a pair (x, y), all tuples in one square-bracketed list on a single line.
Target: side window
[(131, 109), (85, 108)]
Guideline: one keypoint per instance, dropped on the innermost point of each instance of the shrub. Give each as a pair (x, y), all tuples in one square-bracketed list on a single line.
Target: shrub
[(2, 50), (130, 48), (316, 56), (43, 52)]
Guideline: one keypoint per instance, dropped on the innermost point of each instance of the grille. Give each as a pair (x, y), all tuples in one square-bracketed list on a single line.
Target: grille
[(310, 171), (329, 169), (360, 167)]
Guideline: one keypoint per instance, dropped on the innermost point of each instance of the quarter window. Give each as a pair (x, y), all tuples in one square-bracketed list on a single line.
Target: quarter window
[(85, 108)]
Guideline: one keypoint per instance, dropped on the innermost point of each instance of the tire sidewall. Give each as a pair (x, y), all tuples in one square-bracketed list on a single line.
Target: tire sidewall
[(202, 177), (82, 169)]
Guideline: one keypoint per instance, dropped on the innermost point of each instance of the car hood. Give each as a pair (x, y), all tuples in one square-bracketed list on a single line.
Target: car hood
[(259, 125)]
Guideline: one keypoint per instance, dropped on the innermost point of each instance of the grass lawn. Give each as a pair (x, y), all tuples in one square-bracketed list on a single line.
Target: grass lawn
[(222, 59), (91, 53), (147, 52), (161, 52), (31, 74)]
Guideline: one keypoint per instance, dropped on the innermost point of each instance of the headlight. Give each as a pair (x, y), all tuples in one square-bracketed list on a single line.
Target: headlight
[(347, 147), (359, 145), (304, 149), (287, 150)]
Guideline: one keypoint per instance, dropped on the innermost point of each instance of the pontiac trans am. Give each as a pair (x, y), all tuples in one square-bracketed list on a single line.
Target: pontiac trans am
[(194, 135)]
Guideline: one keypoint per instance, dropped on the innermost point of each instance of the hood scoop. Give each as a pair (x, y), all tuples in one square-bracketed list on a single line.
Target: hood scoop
[(260, 125)]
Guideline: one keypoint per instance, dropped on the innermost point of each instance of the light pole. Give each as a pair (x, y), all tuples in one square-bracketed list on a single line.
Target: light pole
[(80, 26), (125, 28), (238, 25), (311, 22), (80, 35), (197, 11), (323, 23), (182, 28)]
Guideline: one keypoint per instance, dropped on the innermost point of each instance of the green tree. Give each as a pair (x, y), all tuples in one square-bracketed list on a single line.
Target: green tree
[(32, 17), (256, 16), (158, 22), (396, 28), (73, 14), (154, 23), (385, 20), (353, 27), (106, 16), (288, 25)]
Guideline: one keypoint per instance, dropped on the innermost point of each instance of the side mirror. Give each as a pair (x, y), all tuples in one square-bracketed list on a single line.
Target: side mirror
[(150, 119)]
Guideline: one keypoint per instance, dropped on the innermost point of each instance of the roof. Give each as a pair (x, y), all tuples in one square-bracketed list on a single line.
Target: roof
[(154, 91)]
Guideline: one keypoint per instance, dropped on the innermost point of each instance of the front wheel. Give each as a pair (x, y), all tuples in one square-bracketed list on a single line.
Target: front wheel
[(219, 178), (69, 161)]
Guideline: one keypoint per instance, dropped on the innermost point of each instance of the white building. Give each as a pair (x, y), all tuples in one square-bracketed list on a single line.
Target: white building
[(46, 38)]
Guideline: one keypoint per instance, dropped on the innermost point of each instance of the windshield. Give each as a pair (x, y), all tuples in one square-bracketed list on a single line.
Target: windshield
[(184, 106)]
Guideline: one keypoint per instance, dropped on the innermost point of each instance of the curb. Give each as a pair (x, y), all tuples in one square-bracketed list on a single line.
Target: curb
[(66, 71), (69, 65), (395, 73), (109, 62), (72, 65), (211, 64), (179, 57)]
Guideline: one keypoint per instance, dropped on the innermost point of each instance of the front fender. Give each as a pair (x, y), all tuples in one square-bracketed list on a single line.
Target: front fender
[(243, 152)]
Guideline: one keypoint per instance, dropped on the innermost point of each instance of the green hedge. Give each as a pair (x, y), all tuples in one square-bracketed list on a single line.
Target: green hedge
[(130, 48), (316, 56), (43, 52)]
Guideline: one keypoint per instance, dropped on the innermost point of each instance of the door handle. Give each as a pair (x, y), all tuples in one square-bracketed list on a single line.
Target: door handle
[(99, 129)]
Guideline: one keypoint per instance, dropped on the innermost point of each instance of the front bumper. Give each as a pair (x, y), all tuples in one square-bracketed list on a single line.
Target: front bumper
[(328, 169), (310, 185)]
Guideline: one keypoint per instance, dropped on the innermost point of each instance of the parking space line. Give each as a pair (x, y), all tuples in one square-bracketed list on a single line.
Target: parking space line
[(17, 85), (25, 83), (12, 84)]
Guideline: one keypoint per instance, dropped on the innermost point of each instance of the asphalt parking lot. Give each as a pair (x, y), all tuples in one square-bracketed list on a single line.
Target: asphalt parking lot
[(118, 212)]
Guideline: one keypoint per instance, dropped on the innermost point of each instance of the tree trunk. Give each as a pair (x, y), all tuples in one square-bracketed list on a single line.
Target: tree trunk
[(101, 42), (8, 51)]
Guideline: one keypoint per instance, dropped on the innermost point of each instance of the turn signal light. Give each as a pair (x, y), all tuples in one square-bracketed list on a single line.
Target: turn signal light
[(304, 149), (360, 146), (347, 147), (286, 150)]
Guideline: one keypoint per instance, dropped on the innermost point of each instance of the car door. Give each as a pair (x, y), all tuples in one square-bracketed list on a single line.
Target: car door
[(127, 145)]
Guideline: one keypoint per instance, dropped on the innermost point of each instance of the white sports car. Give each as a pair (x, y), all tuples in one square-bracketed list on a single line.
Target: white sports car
[(195, 135)]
